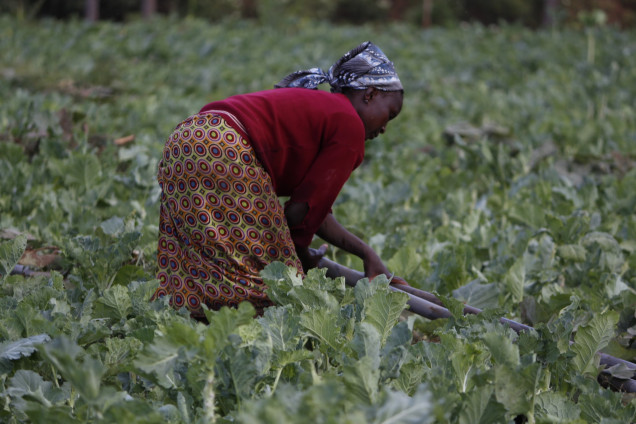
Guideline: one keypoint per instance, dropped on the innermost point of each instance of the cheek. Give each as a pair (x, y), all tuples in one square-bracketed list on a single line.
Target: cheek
[(375, 118), (368, 120), (380, 120)]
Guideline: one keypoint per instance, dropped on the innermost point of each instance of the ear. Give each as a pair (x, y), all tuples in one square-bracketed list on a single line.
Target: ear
[(369, 94)]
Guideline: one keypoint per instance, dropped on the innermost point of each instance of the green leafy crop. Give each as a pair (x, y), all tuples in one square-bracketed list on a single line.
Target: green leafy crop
[(507, 182)]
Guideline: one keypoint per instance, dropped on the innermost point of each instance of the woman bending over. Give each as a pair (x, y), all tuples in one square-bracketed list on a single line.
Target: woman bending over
[(223, 169)]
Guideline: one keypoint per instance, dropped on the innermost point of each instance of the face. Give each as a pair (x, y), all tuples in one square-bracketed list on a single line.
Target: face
[(376, 108)]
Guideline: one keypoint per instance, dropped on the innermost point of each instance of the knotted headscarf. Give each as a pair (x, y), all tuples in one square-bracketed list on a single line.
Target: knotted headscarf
[(362, 67)]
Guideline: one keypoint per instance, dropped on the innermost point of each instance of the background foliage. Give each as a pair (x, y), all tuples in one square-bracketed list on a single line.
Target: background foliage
[(507, 182), (533, 13)]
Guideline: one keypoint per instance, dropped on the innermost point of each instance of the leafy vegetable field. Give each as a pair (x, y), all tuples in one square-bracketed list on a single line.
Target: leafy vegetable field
[(507, 182)]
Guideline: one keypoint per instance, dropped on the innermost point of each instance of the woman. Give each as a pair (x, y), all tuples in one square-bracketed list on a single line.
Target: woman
[(223, 169)]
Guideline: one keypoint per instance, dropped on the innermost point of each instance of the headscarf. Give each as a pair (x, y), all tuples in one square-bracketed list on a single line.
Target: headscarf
[(362, 67)]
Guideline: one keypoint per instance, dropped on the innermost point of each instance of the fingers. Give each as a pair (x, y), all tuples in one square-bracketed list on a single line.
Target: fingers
[(323, 249), (398, 281)]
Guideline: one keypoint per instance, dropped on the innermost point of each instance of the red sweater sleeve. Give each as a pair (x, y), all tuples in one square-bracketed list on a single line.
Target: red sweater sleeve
[(323, 181)]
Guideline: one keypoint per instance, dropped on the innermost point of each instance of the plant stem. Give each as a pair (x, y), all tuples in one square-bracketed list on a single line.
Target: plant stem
[(55, 376), (208, 398), (591, 47), (280, 371)]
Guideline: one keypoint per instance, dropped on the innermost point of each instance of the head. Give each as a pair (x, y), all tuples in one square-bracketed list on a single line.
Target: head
[(375, 108), (367, 77)]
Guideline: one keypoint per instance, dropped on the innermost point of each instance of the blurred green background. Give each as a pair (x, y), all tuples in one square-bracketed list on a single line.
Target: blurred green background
[(533, 13)]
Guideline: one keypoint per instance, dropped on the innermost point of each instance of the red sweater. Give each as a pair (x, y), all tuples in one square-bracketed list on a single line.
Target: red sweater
[(309, 141)]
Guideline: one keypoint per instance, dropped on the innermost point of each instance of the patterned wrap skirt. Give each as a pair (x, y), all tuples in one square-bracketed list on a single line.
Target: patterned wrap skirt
[(220, 219)]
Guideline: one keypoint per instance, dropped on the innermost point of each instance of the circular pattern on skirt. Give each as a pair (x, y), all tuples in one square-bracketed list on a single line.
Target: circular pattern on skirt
[(187, 149), (200, 149), (213, 135), (203, 166), (216, 151), (239, 187), (223, 185)]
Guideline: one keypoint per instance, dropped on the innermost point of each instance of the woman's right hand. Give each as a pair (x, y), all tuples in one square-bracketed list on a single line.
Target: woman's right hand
[(310, 257), (373, 265)]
